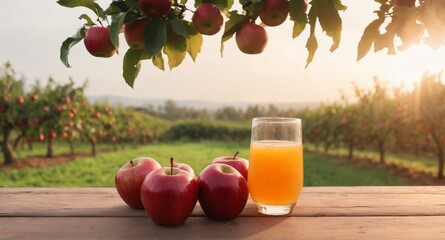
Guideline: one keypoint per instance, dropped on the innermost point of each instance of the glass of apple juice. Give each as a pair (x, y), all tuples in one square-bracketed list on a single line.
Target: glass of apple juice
[(276, 164)]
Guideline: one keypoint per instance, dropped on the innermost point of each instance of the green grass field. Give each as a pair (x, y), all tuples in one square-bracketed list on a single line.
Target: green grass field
[(417, 163), (319, 170)]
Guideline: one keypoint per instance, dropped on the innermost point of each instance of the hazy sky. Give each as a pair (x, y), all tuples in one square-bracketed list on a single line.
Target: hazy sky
[(31, 33)]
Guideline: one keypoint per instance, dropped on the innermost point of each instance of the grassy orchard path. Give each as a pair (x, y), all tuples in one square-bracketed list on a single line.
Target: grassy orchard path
[(99, 171), (421, 169)]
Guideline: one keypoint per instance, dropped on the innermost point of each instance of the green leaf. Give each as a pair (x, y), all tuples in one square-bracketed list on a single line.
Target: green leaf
[(311, 46), (370, 34), (222, 4), (133, 4), (131, 65), (179, 26), (312, 17), (78, 3), (117, 21), (329, 19), (312, 43), (194, 42), (158, 61), (69, 43), (386, 40), (175, 48), (117, 7), (297, 13), (155, 35), (90, 4), (131, 17), (298, 28), (235, 22), (339, 6), (88, 19), (254, 9), (297, 10)]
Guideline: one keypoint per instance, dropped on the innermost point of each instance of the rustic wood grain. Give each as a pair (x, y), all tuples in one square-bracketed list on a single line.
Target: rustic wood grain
[(314, 201), (322, 213), (385, 228)]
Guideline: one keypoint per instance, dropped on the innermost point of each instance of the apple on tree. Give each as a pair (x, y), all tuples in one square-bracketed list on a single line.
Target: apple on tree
[(65, 100), (223, 192), (3, 108), (134, 33), (41, 137), (52, 134), (97, 42), (20, 100), (169, 195), (33, 97), (251, 38), (240, 164), (4, 104), (129, 178), (64, 134), (207, 19), (274, 12), (155, 8)]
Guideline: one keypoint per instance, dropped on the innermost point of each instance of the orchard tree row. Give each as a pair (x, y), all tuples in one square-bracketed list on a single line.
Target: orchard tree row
[(62, 112), (384, 119)]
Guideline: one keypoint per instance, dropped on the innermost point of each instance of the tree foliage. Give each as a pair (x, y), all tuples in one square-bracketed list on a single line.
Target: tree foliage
[(399, 24)]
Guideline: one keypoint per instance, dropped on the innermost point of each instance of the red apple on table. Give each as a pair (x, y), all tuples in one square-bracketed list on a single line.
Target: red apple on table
[(169, 195), (129, 179), (240, 164), (184, 167), (155, 8), (251, 38), (97, 42), (274, 12), (134, 33), (223, 192), (207, 19)]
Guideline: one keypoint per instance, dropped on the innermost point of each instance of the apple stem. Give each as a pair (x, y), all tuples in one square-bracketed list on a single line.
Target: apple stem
[(171, 165), (236, 154), (132, 163)]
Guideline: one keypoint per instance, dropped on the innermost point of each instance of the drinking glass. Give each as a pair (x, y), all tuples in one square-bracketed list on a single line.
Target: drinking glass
[(276, 164)]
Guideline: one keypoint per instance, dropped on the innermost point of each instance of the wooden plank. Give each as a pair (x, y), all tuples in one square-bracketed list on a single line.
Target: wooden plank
[(418, 228), (314, 201)]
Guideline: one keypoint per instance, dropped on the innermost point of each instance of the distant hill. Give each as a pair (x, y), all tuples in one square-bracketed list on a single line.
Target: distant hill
[(195, 104)]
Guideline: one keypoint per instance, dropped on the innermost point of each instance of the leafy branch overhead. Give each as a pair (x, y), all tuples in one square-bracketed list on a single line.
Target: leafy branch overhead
[(172, 29)]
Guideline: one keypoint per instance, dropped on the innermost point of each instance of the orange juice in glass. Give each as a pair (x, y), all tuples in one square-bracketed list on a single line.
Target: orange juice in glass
[(276, 164)]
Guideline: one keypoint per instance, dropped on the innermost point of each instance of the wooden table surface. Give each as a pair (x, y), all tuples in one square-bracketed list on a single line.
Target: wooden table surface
[(321, 213)]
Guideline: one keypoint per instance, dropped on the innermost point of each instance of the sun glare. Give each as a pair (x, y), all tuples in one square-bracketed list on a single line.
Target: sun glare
[(412, 64)]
